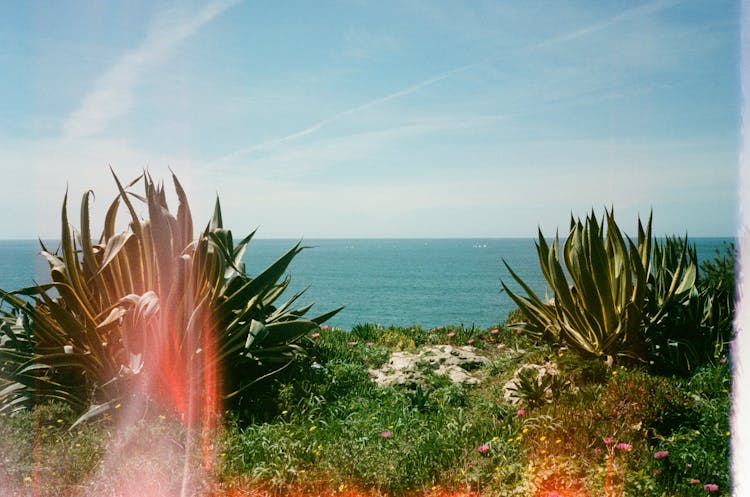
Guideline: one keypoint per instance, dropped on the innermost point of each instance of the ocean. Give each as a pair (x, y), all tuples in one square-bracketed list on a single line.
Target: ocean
[(424, 282)]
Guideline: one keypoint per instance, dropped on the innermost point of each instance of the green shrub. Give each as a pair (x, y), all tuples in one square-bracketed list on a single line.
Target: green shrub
[(605, 310), (149, 302)]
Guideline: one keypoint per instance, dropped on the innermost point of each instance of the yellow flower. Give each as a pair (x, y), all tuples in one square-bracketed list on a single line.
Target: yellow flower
[(728, 433), (542, 438), (510, 439), (525, 430), (558, 441), (27, 479), (495, 439), (544, 451), (614, 373), (59, 421), (312, 428), (518, 437), (284, 412)]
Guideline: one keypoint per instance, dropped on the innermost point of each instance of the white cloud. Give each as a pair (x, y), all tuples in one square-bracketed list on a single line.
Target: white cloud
[(112, 94)]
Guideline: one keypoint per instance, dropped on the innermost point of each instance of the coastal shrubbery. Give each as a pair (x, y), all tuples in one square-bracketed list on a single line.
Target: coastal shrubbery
[(619, 386), (149, 310), (639, 302)]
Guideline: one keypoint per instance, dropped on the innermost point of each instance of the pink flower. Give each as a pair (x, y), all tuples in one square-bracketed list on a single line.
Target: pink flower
[(470, 341), (657, 471), (369, 344), (315, 335), (451, 334), (483, 448), (623, 446), (518, 332), (494, 332), (597, 451), (693, 481), (711, 487), (521, 412), (607, 440), (324, 327), (661, 454), (351, 344), (386, 434)]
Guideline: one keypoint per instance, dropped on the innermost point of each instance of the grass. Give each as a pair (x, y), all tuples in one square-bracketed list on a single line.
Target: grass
[(324, 428)]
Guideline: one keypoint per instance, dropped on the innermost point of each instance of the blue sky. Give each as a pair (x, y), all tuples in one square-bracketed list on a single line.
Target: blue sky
[(377, 119)]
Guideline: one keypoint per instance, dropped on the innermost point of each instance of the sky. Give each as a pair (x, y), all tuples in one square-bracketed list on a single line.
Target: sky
[(376, 119)]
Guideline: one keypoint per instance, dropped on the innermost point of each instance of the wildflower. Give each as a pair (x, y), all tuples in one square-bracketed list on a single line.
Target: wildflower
[(386, 434), (525, 430), (284, 412), (661, 454), (607, 440), (519, 331), (483, 448), (494, 332), (544, 451), (313, 428), (451, 334), (315, 335), (558, 441), (693, 481), (351, 344), (657, 472), (521, 412), (624, 446), (723, 360), (324, 327), (597, 451), (542, 438), (469, 341), (711, 487), (369, 344), (59, 421), (27, 479)]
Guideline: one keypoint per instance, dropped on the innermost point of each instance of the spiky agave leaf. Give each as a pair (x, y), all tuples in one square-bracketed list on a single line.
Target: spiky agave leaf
[(148, 298)]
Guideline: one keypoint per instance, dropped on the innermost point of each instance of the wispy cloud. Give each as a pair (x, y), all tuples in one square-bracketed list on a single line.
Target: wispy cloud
[(112, 94), (353, 110), (626, 15)]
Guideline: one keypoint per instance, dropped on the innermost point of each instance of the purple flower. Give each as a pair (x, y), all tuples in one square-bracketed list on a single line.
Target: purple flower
[(711, 487), (483, 448), (623, 446), (661, 454)]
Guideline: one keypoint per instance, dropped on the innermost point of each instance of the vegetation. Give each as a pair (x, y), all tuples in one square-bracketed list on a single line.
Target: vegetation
[(619, 386), (322, 428), (639, 301), (151, 310)]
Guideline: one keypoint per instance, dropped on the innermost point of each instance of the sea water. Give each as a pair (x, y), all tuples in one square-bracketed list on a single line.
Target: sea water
[(424, 282)]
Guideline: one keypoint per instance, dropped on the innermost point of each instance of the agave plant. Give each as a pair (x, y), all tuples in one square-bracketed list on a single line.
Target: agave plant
[(697, 323), (602, 312), (149, 310)]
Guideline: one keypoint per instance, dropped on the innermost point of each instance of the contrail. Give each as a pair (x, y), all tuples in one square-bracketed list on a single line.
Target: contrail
[(320, 124)]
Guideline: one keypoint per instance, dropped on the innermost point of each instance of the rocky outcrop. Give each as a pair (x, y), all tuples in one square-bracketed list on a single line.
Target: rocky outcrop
[(409, 369)]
